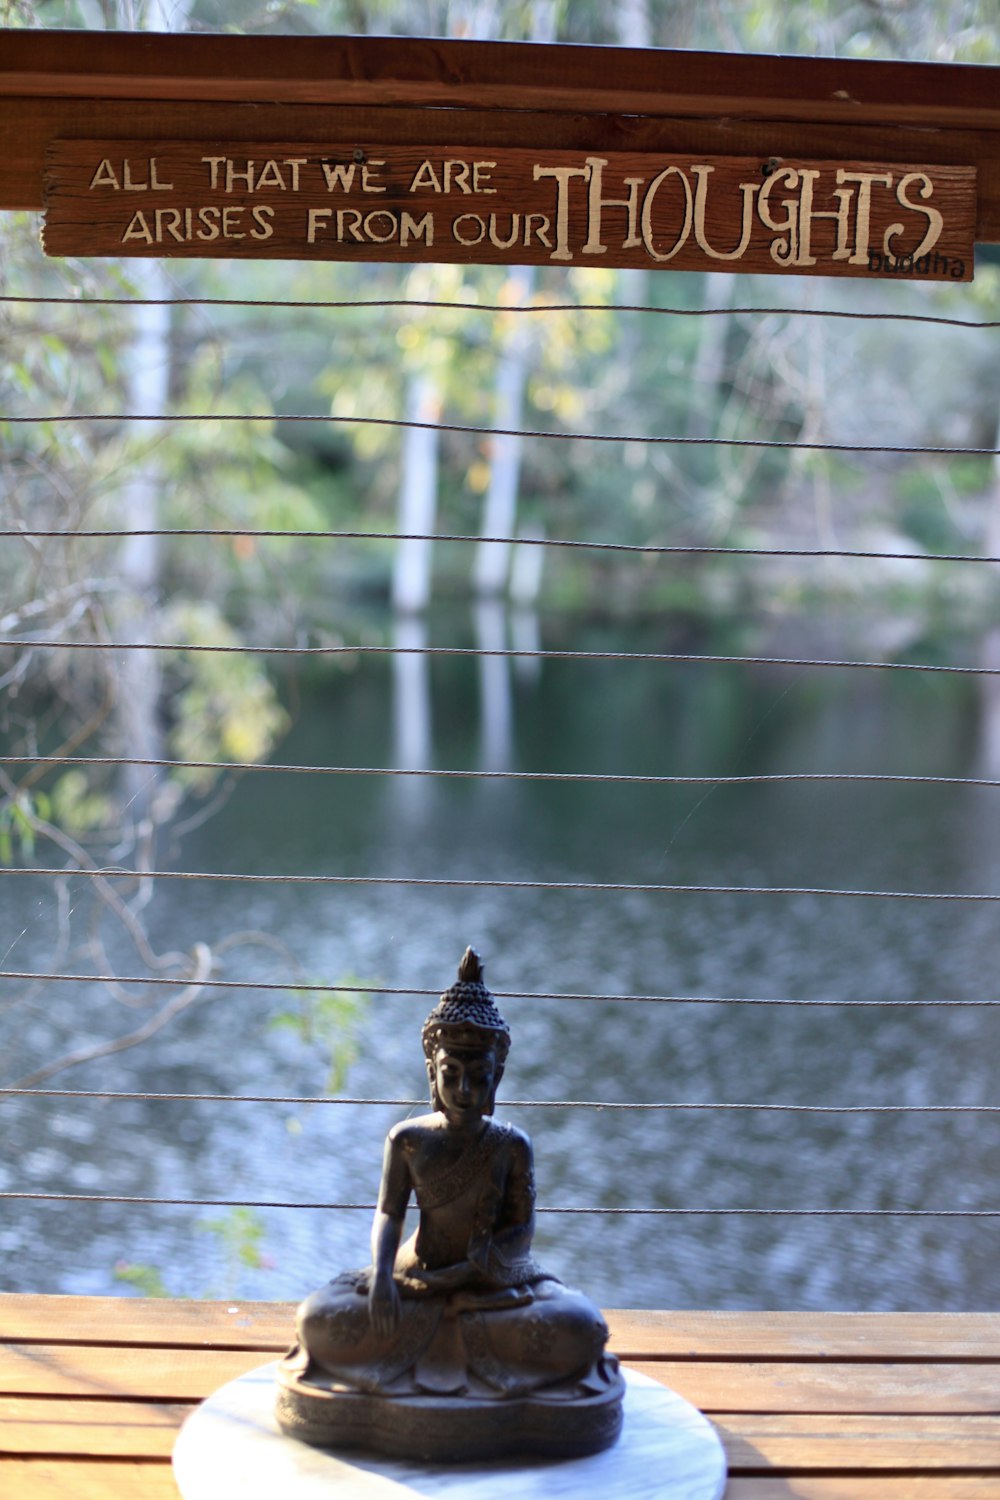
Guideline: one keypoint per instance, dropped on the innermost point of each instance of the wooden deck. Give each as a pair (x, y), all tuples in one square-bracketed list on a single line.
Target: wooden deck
[(826, 1406)]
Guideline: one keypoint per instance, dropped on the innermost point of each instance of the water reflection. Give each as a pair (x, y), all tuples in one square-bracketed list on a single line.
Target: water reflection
[(495, 706), (411, 713), (582, 717), (526, 636)]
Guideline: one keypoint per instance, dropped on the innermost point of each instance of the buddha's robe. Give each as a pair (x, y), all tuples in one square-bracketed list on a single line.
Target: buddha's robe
[(482, 1325)]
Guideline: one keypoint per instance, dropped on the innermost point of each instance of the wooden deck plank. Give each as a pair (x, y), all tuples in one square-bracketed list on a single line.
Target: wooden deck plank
[(861, 1443), (840, 1407), (150, 1374), (267, 1326), (843, 1388), (87, 1479), (939, 1486), (124, 1479), (636, 1333), (40, 1426), (178, 1374), (754, 1443)]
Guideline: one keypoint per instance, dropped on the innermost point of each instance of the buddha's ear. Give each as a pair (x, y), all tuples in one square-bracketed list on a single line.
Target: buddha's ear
[(497, 1075), (432, 1080)]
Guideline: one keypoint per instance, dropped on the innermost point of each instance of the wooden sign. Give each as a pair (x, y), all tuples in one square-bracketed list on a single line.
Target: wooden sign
[(503, 206)]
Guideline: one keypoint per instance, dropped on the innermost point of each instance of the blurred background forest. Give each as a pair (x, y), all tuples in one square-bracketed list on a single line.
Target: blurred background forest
[(628, 353)]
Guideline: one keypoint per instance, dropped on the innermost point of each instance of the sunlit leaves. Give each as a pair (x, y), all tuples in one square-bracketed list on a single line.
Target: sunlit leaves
[(329, 1022), (223, 706), (146, 1280)]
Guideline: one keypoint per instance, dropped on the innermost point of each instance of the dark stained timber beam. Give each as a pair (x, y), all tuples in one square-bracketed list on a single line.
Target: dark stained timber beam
[(117, 85), (495, 75)]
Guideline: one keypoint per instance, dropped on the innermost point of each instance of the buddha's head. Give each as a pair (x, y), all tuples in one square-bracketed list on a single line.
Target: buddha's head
[(466, 1041)]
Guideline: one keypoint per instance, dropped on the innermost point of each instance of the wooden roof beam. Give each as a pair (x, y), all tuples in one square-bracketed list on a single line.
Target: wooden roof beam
[(496, 75), (134, 86)]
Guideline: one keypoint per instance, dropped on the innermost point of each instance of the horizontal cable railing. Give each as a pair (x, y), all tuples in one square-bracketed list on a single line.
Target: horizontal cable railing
[(669, 1106), (301, 986), (676, 440), (770, 1213), (422, 304), (675, 1107), (541, 654), (638, 549), (481, 774), (234, 877)]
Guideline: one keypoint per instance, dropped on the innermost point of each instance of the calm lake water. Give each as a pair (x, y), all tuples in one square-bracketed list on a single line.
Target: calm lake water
[(585, 717)]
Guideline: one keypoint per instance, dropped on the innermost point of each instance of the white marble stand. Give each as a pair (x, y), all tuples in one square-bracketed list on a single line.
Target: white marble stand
[(232, 1446)]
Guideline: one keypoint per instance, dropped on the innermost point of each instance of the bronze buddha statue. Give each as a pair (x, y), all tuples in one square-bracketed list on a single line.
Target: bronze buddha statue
[(455, 1344)]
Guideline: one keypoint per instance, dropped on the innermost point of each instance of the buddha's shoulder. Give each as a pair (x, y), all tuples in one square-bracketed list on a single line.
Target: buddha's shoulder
[(409, 1136), (514, 1141), (406, 1135)]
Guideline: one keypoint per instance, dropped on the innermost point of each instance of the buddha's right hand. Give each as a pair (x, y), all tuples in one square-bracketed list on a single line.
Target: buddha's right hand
[(383, 1305)]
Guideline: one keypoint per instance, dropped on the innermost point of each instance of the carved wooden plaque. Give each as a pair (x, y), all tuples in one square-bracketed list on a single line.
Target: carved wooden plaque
[(510, 206)]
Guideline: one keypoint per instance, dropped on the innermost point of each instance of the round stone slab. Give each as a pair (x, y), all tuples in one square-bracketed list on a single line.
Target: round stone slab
[(232, 1445)]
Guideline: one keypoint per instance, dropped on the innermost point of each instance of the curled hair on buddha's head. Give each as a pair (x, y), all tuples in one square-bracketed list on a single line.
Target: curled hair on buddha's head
[(466, 1019)]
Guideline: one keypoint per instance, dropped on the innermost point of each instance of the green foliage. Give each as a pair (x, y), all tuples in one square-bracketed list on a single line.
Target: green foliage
[(224, 706), (17, 825), (70, 805), (929, 501), (144, 1279), (240, 1235), (75, 806), (330, 1022)]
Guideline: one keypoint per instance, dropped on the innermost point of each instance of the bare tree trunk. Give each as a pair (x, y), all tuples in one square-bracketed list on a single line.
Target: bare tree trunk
[(411, 581), (500, 509), (139, 671), (634, 30), (148, 386), (710, 360), (476, 19), (633, 23)]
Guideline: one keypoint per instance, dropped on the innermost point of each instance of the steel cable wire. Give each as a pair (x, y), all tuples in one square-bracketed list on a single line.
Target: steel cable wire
[(232, 877), (588, 777), (428, 303), (618, 1212), (472, 429), (601, 1105), (633, 548), (674, 657), (298, 985)]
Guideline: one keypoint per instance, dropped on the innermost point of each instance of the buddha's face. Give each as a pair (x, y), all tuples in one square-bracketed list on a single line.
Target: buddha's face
[(464, 1083)]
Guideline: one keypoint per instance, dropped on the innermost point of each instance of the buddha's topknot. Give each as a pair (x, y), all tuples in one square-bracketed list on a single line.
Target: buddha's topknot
[(467, 1015)]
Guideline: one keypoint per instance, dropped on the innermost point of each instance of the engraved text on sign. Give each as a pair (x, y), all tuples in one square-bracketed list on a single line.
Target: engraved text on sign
[(510, 206)]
